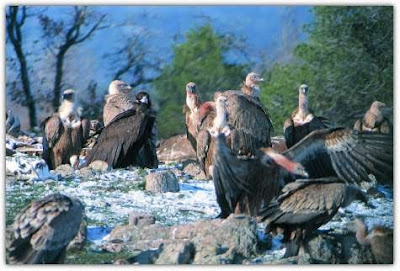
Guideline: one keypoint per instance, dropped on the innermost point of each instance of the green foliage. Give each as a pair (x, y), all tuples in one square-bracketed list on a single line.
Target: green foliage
[(201, 60), (347, 62)]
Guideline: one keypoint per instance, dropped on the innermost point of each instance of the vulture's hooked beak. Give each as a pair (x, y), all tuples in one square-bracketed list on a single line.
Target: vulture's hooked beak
[(127, 88)]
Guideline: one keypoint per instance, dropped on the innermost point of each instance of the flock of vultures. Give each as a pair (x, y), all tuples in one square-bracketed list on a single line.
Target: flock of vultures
[(294, 192)]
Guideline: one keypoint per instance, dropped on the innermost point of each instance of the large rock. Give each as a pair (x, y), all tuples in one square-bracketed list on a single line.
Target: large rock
[(338, 249), (175, 149), (161, 182), (215, 241)]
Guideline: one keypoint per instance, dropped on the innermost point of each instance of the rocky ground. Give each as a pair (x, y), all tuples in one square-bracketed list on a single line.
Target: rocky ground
[(167, 216)]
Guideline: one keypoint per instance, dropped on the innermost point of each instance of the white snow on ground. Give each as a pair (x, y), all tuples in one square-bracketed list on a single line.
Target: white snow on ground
[(110, 197)]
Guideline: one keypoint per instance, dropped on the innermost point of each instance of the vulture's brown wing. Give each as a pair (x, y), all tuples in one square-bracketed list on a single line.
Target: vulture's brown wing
[(43, 229), (351, 155), (120, 141), (306, 201), (203, 148), (115, 105), (250, 123), (52, 129)]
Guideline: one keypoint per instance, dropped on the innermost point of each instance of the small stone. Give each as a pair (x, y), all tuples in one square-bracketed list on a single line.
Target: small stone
[(194, 169), (161, 182), (99, 165), (140, 219), (65, 170)]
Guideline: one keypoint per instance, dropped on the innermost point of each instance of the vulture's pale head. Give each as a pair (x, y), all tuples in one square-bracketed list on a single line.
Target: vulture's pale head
[(303, 89), (118, 86), (191, 87), (69, 95), (221, 101), (377, 105), (253, 79), (271, 157)]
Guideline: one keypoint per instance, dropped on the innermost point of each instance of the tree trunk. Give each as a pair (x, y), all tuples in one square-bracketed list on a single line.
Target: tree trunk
[(26, 85), (58, 79)]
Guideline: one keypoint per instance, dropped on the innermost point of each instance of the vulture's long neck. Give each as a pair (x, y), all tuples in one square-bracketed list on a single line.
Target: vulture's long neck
[(373, 116), (67, 111), (193, 101), (303, 105), (220, 119), (253, 91)]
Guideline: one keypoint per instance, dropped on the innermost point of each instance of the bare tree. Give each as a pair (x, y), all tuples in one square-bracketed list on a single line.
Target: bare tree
[(15, 19), (135, 57), (61, 36)]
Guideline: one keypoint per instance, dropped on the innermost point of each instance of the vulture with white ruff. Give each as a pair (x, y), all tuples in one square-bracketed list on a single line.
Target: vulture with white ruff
[(64, 133), (42, 231), (302, 121)]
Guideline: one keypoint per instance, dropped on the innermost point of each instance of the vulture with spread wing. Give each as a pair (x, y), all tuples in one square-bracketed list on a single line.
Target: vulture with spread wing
[(304, 206), (374, 120), (120, 141), (42, 231), (303, 121), (348, 154), (379, 238), (64, 134)]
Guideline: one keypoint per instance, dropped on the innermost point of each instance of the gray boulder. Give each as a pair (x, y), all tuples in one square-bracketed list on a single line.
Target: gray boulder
[(161, 182)]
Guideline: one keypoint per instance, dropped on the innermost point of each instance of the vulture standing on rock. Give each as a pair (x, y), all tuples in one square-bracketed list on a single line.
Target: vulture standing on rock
[(303, 121), (374, 120), (379, 238), (42, 231), (117, 100), (64, 133), (304, 206), (120, 141)]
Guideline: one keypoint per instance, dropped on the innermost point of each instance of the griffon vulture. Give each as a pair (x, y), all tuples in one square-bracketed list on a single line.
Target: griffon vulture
[(120, 141), (379, 238), (304, 206), (251, 85), (117, 100), (42, 231), (64, 133), (303, 121), (374, 120), (198, 115)]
